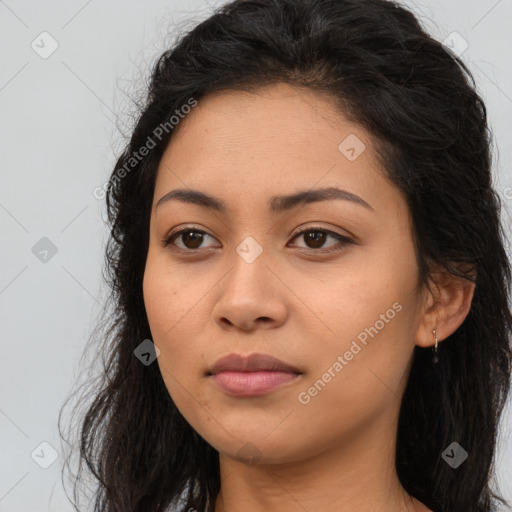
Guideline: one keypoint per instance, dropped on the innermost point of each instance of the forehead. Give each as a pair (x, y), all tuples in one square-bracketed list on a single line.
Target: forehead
[(271, 119), (277, 140)]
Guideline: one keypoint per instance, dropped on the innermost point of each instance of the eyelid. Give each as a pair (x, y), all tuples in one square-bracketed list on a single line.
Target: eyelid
[(294, 233), (180, 230), (343, 239), (192, 227), (333, 231)]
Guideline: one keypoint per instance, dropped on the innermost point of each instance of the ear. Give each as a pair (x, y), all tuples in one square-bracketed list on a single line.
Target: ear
[(444, 308)]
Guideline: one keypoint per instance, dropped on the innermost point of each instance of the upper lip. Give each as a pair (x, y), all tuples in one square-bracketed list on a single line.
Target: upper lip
[(251, 363)]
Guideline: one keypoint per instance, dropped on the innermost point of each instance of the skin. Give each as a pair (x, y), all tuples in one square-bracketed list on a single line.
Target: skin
[(305, 309)]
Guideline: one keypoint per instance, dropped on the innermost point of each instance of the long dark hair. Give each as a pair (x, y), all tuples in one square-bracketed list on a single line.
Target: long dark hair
[(419, 102)]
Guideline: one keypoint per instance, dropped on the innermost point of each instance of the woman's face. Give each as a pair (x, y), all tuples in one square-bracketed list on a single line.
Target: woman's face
[(345, 314)]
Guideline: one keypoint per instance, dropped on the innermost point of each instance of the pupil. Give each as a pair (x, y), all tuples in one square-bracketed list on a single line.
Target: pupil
[(196, 239), (316, 242)]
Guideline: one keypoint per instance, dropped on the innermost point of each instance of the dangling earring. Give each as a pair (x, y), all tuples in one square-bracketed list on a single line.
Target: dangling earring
[(435, 359)]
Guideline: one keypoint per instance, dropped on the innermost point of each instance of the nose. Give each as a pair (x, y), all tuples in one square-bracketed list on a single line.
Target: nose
[(251, 296)]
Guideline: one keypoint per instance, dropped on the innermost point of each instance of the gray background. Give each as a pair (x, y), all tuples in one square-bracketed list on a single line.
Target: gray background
[(59, 132)]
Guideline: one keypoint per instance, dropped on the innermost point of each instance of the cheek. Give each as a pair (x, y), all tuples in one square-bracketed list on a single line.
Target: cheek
[(369, 308), (158, 300), (351, 297), (372, 317), (172, 310), (171, 299)]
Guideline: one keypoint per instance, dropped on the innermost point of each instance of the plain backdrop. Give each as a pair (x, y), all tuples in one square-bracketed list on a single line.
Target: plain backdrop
[(60, 115)]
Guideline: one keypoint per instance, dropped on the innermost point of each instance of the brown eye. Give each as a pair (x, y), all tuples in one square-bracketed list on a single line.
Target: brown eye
[(315, 238), (191, 238)]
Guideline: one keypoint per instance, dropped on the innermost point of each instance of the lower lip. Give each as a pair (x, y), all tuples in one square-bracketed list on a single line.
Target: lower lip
[(252, 383)]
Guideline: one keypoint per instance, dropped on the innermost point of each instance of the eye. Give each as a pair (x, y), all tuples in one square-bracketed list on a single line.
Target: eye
[(192, 238), (317, 236)]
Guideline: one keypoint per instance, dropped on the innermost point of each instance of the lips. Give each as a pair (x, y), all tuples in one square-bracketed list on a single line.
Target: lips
[(252, 376), (252, 363)]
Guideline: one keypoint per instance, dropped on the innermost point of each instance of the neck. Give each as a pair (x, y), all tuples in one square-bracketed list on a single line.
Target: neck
[(357, 475)]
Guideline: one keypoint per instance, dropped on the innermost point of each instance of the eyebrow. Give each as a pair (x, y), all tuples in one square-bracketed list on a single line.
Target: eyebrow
[(277, 204)]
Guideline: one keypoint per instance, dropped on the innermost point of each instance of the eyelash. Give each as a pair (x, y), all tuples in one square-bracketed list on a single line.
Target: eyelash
[(343, 239)]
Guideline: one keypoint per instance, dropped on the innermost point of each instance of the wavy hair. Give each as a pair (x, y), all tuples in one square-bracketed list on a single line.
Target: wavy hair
[(420, 104)]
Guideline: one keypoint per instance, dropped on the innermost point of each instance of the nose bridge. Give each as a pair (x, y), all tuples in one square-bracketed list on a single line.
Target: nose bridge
[(253, 237), (248, 265), (248, 292)]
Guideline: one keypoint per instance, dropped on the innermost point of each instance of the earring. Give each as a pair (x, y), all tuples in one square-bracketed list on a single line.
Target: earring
[(435, 359)]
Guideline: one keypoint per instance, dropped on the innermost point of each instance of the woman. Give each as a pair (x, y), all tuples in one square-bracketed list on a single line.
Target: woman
[(310, 285)]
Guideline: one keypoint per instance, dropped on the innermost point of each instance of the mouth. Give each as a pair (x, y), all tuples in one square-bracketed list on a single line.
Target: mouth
[(252, 363), (257, 374)]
